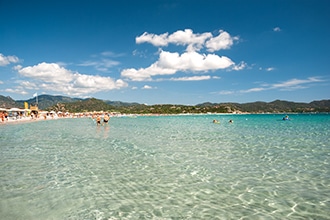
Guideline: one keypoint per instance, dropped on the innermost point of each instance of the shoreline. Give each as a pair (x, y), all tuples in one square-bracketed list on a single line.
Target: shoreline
[(11, 121), (22, 120)]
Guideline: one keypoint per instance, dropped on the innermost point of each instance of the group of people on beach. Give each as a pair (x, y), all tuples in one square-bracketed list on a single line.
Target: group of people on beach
[(3, 116)]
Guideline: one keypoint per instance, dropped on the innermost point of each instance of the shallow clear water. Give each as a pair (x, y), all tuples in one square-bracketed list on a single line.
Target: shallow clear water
[(167, 167)]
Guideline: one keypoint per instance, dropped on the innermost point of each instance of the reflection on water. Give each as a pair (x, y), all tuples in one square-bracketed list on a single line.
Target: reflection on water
[(257, 167)]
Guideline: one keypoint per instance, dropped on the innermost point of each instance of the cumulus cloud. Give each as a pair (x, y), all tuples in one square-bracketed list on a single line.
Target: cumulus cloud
[(187, 38), (156, 40), (6, 60), (170, 63), (51, 76), (48, 72), (191, 60), (221, 42)]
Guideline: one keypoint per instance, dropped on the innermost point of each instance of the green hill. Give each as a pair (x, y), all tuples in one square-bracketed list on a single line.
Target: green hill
[(8, 102), (45, 101), (63, 103)]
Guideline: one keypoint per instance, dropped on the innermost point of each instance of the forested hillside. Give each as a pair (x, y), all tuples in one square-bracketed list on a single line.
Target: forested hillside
[(63, 103)]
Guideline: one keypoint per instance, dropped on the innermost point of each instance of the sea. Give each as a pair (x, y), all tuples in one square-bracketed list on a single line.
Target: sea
[(167, 167)]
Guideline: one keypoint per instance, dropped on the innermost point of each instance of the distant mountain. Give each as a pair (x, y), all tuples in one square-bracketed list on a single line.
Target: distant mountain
[(121, 104), (45, 101), (57, 102), (86, 105), (63, 103), (275, 106), (8, 102)]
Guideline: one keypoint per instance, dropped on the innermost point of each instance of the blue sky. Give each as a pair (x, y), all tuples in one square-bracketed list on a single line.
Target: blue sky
[(166, 52)]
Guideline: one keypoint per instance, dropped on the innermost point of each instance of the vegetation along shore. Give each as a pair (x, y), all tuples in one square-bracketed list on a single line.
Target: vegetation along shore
[(75, 105)]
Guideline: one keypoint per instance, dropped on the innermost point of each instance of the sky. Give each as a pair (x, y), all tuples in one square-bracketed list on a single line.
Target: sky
[(166, 52)]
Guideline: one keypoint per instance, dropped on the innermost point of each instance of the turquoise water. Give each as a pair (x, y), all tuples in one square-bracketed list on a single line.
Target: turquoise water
[(167, 167)]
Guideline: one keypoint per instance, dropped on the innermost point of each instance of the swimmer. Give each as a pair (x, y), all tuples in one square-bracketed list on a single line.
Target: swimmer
[(231, 121), (286, 117), (215, 121)]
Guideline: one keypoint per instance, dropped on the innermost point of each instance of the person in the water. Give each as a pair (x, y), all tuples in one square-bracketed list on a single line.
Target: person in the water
[(106, 119), (286, 117), (98, 120)]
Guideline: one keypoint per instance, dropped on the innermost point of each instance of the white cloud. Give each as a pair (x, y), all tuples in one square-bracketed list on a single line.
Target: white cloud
[(221, 42), (293, 84), (6, 60), (1, 82), (225, 92), (194, 42), (17, 67), (170, 63), (254, 90), (145, 74), (156, 40), (101, 62), (187, 37), (192, 61), (28, 85), (242, 65), (102, 65), (51, 76), (277, 29), (191, 78), (289, 85), (111, 54), (47, 72), (146, 87), (270, 69), (17, 91)]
